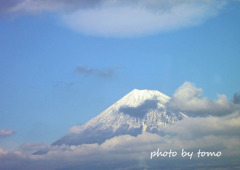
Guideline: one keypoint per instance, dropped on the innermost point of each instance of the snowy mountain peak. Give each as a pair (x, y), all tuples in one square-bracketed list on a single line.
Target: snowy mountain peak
[(137, 112), (137, 97)]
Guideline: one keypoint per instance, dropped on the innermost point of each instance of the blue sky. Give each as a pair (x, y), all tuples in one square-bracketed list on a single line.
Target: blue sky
[(60, 67)]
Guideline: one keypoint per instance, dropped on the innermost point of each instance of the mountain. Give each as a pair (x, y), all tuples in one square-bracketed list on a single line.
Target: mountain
[(138, 112)]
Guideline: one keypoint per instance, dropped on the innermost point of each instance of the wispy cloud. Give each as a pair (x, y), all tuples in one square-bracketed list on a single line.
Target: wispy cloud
[(105, 73), (63, 84), (3, 152), (6, 6), (121, 18), (36, 6), (6, 132)]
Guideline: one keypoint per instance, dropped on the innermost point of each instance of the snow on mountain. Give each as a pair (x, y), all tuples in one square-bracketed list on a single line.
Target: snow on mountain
[(138, 112)]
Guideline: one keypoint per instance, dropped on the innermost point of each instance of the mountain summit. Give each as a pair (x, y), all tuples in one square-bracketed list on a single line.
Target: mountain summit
[(137, 112)]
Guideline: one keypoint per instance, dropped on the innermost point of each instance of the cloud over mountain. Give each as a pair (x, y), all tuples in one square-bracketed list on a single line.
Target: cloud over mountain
[(206, 133), (188, 98), (213, 132), (140, 111)]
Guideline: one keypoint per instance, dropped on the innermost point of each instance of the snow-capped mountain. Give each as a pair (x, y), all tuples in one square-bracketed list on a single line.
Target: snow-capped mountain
[(138, 112)]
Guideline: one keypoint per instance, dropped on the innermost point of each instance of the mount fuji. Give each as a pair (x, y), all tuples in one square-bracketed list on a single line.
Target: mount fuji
[(137, 112)]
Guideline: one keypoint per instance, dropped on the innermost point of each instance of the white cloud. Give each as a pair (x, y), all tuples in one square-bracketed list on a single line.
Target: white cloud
[(6, 132), (206, 133), (194, 128), (212, 133), (121, 19), (188, 98)]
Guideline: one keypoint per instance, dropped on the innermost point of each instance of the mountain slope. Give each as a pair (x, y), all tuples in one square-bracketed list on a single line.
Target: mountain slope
[(138, 112)]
